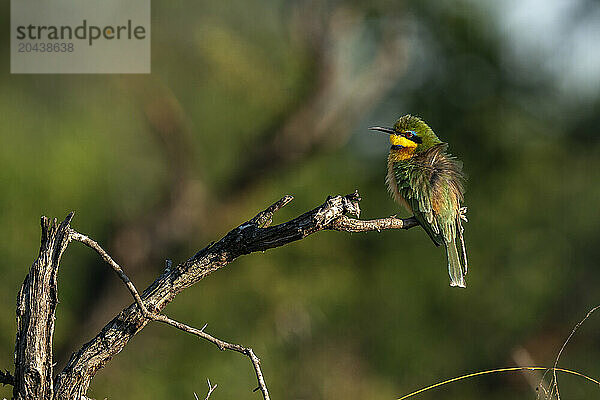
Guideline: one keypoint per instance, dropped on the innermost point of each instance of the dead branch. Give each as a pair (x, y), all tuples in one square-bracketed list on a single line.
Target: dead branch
[(251, 236), (36, 307), (211, 389), (38, 297), (222, 345)]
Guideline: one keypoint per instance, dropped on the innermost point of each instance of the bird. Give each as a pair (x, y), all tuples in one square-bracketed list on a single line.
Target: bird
[(429, 182)]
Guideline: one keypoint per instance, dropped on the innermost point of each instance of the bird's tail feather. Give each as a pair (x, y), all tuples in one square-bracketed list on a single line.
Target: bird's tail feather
[(456, 269)]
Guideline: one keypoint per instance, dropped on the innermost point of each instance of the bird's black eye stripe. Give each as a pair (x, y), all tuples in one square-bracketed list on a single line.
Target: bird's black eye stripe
[(412, 135)]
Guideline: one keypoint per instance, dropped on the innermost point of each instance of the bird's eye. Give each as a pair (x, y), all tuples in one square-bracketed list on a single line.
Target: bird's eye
[(410, 134)]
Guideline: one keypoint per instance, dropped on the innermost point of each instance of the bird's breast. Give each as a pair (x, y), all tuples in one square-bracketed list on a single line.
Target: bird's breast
[(392, 185), (401, 154)]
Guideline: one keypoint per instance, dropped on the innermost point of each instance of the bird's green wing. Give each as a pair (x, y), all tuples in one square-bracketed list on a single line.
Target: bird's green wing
[(414, 185), (431, 183)]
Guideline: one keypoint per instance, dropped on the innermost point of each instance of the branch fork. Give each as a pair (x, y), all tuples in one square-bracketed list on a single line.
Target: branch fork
[(33, 373)]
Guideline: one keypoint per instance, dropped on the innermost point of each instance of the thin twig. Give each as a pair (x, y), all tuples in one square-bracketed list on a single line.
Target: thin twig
[(211, 389), (555, 383), (346, 224), (263, 217), (115, 267), (222, 345)]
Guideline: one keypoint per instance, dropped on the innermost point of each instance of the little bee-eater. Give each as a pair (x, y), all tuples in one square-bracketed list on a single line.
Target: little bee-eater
[(428, 182)]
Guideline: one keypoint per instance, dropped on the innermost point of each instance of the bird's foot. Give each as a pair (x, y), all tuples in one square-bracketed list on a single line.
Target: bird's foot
[(462, 213)]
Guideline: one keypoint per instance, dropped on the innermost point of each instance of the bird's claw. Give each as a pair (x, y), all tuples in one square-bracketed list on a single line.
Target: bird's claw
[(462, 213)]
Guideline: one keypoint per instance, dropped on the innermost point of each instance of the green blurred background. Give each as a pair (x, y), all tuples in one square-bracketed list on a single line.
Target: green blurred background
[(248, 101)]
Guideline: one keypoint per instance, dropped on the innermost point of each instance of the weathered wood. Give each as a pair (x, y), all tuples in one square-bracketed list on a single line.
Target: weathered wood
[(36, 307), (251, 236), (37, 299)]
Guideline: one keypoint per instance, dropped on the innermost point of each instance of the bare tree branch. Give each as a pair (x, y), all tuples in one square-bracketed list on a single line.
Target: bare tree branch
[(33, 372), (346, 224), (211, 389), (118, 270), (263, 218), (36, 308), (222, 345)]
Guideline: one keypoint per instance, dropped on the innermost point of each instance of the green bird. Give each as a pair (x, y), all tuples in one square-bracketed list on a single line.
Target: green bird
[(428, 182)]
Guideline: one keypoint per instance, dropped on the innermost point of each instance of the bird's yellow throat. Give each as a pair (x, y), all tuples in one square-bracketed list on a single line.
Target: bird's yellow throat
[(406, 151)]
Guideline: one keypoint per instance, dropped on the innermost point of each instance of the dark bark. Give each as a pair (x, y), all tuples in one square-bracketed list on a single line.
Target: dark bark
[(36, 307), (37, 299)]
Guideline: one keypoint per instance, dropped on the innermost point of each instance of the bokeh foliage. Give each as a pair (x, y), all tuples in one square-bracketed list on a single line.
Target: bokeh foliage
[(335, 315)]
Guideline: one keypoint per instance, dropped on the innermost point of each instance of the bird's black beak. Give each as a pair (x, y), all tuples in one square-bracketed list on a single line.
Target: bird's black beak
[(388, 131)]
